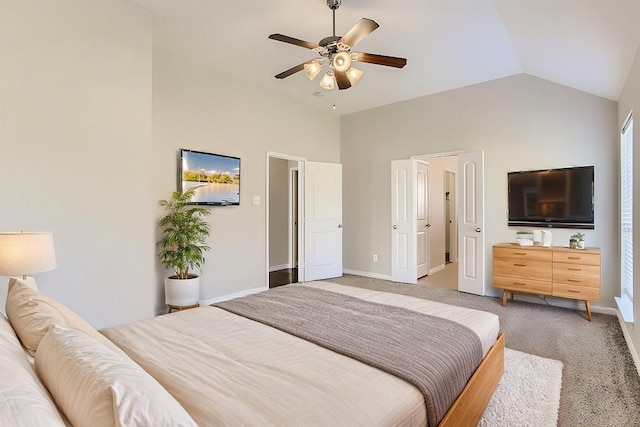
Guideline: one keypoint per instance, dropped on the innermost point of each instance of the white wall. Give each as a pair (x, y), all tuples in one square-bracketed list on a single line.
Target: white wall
[(91, 118), (75, 138), (630, 100), (521, 122), (195, 107)]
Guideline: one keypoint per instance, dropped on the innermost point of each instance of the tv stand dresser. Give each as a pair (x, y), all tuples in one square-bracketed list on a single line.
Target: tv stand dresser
[(556, 271)]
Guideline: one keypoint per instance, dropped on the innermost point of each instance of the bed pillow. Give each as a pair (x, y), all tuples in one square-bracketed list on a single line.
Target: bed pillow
[(24, 401), (31, 313), (96, 387)]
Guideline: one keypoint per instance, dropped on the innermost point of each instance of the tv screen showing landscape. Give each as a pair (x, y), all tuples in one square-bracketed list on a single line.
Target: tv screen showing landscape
[(215, 177)]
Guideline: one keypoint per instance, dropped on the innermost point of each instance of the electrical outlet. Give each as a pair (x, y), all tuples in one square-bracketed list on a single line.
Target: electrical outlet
[(375, 257)]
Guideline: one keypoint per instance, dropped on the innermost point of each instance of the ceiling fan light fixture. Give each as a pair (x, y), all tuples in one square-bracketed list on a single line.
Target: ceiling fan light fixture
[(341, 61), (312, 69), (328, 81), (354, 75)]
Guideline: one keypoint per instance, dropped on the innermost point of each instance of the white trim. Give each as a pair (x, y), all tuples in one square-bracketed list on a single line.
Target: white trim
[(279, 267), (367, 274), (435, 155), (627, 338), (436, 268), (232, 296), (625, 307)]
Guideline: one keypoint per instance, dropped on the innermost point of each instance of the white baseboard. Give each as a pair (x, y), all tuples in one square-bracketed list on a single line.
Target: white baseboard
[(234, 295), (627, 338), (436, 268), (279, 267), (367, 274)]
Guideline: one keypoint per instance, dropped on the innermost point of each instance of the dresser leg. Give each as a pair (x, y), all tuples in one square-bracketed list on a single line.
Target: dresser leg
[(504, 298), (587, 304)]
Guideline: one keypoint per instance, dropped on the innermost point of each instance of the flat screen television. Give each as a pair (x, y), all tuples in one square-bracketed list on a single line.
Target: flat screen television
[(215, 177), (561, 198)]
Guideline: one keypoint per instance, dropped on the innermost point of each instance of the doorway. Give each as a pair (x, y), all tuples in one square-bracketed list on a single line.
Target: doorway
[(283, 221), (462, 175)]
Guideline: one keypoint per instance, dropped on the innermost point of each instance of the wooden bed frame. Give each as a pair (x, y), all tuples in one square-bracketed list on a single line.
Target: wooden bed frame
[(468, 408)]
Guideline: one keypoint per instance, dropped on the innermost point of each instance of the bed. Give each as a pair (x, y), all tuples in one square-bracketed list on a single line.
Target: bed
[(226, 369)]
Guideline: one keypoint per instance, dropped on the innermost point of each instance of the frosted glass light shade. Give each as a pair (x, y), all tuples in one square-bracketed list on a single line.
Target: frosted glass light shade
[(22, 254), (341, 61), (354, 75), (328, 81), (312, 69)]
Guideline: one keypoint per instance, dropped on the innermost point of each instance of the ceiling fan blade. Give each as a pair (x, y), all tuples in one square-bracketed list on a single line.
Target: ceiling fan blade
[(291, 71), (291, 40), (363, 28), (342, 79), (389, 61)]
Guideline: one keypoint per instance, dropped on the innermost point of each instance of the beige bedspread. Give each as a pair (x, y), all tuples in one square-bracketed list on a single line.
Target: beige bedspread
[(228, 370)]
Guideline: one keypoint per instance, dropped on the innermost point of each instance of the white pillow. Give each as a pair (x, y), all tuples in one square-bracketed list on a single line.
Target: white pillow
[(95, 386), (24, 401), (31, 313)]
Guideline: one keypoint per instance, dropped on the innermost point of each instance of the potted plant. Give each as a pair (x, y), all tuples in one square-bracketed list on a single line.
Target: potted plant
[(181, 247), (576, 241)]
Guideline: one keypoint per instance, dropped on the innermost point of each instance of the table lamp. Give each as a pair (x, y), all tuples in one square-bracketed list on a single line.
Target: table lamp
[(23, 253)]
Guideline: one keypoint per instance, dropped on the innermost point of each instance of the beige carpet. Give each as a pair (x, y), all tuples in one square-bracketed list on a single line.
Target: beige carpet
[(600, 385)]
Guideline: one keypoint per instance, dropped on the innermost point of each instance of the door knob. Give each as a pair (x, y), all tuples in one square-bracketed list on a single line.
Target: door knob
[(478, 230), (339, 225), (395, 227), (428, 225)]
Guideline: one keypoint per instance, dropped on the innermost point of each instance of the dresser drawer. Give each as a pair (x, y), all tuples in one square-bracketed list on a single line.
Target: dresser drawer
[(522, 285), (522, 253), (524, 268), (577, 274), (576, 257), (576, 292)]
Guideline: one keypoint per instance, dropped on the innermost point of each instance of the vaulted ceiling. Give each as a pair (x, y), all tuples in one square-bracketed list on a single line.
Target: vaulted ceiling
[(584, 44)]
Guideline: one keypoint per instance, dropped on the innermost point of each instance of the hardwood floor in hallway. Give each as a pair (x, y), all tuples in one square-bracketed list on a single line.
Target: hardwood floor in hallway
[(446, 278), (283, 277)]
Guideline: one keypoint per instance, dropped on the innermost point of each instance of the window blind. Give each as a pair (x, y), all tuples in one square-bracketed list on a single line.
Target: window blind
[(626, 208)]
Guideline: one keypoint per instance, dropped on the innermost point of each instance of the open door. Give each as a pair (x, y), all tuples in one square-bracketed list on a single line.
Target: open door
[(471, 223), (323, 220), (403, 221)]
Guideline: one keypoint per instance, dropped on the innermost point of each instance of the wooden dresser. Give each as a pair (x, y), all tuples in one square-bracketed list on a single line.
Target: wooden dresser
[(556, 271)]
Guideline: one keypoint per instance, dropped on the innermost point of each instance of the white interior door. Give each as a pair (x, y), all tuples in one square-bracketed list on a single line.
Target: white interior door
[(471, 223), (403, 221), (422, 219), (323, 220)]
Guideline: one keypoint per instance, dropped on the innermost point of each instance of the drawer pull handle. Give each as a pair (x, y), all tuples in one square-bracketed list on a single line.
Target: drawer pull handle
[(574, 257), (520, 253), (519, 284), (574, 291), (573, 280), (520, 265), (575, 269)]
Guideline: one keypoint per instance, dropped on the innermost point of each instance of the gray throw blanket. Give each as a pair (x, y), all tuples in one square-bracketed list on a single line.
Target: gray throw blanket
[(436, 355)]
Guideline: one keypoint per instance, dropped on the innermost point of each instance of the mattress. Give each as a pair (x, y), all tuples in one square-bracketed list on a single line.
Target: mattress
[(228, 370)]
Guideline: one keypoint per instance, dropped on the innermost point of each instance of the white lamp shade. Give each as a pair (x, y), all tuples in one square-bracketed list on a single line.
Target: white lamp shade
[(26, 253), (354, 75)]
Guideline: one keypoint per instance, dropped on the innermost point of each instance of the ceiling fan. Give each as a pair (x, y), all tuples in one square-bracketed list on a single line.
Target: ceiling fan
[(336, 51)]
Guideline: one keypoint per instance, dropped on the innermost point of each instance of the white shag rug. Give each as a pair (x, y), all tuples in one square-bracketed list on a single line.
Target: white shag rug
[(528, 393)]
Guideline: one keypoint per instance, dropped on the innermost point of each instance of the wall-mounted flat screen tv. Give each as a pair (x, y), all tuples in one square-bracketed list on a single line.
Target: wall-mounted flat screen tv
[(560, 198), (215, 177)]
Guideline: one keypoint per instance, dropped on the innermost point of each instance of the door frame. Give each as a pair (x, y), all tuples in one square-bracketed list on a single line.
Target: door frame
[(300, 167), (294, 244), (453, 236)]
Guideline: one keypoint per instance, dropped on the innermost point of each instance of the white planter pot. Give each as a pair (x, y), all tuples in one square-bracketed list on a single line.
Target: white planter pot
[(580, 244), (182, 292)]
